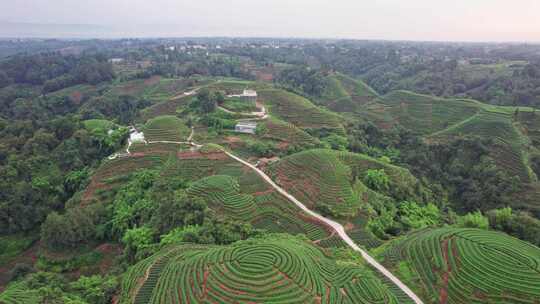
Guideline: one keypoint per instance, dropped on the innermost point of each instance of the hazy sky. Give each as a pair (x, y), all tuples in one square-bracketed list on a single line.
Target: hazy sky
[(461, 20)]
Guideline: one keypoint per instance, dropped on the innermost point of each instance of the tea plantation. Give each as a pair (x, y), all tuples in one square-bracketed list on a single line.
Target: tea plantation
[(467, 266), (276, 269)]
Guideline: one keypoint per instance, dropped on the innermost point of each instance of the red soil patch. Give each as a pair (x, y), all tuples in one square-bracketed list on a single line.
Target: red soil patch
[(233, 142), (152, 80), (76, 97), (197, 154), (233, 139), (264, 76), (283, 145), (268, 191), (443, 292), (29, 256), (110, 252), (348, 226)]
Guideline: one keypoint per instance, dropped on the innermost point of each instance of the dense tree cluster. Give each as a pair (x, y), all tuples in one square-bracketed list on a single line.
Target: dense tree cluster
[(54, 71), (302, 79), (460, 171)]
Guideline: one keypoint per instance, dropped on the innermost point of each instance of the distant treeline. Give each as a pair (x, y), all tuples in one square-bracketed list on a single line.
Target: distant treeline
[(54, 71)]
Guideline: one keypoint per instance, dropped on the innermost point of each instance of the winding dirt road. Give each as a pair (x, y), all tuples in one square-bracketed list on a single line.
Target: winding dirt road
[(337, 227)]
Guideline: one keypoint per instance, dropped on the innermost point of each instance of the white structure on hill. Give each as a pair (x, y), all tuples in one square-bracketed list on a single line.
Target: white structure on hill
[(246, 127), (135, 136), (247, 95)]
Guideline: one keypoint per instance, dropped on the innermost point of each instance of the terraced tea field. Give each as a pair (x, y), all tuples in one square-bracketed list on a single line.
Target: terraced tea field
[(344, 94), (277, 269), (264, 209), (168, 107), (18, 293), (467, 266), (166, 128), (155, 89), (427, 114), (113, 173), (328, 177), (298, 111), (440, 119), (285, 132)]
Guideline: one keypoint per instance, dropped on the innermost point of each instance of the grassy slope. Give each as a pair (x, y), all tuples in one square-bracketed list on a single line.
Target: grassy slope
[(276, 269), (92, 124), (466, 266)]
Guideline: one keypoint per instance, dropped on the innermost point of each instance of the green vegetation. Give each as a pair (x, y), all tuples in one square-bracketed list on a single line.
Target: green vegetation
[(166, 128), (13, 245), (93, 124), (298, 111), (275, 269), (238, 105), (43, 287), (422, 180), (467, 265)]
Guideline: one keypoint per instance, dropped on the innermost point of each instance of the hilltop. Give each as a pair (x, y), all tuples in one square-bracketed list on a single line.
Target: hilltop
[(466, 265)]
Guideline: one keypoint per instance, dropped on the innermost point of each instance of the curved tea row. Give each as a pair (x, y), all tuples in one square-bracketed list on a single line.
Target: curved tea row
[(277, 269), (470, 265)]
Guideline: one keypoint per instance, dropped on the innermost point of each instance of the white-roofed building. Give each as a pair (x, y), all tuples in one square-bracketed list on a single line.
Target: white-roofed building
[(246, 127)]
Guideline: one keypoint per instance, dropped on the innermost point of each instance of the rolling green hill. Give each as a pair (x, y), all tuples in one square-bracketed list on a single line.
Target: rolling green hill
[(439, 119), (276, 269), (344, 94), (166, 128), (335, 178), (450, 265), (298, 111)]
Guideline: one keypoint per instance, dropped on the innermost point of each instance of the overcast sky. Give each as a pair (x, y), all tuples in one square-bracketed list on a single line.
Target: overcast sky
[(447, 20)]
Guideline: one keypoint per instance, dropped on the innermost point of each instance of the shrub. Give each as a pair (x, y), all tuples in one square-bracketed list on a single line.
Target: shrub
[(377, 180), (473, 220)]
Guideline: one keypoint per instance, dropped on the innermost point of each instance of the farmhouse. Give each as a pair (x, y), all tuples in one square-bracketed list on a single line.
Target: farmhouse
[(135, 136), (246, 127), (116, 60), (247, 95)]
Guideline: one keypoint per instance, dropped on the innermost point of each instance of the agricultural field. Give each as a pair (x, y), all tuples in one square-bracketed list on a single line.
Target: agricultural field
[(276, 129), (249, 199), (166, 128), (298, 111), (450, 265), (235, 86), (76, 94), (439, 119), (236, 104), (332, 178), (17, 293), (155, 89), (93, 124), (276, 269), (167, 107), (344, 94), (112, 174)]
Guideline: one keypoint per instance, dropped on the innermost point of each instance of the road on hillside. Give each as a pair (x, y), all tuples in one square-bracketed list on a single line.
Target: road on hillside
[(337, 227)]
